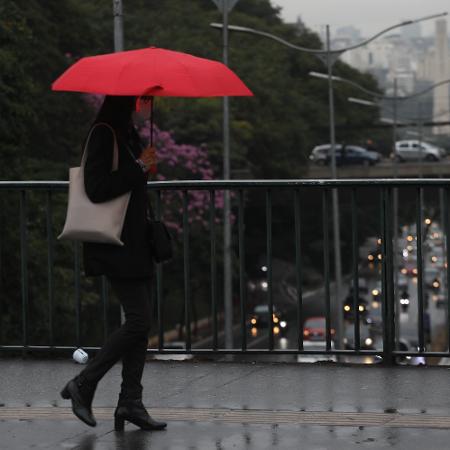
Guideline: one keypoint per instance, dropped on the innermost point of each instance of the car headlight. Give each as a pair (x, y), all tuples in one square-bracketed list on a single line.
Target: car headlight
[(368, 341), (361, 308), (283, 324), (346, 308), (253, 321), (375, 292)]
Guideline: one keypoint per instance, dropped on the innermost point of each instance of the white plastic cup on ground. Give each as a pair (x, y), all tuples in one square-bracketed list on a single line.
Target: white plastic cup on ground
[(80, 356)]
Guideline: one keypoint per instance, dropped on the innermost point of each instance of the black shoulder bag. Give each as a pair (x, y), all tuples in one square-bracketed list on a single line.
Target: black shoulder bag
[(160, 239)]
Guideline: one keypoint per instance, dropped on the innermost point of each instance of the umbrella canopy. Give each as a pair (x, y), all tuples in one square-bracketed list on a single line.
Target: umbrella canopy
[(151, 72)]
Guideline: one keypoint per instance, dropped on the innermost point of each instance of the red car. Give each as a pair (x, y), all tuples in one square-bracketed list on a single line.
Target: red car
[(314, 329), (409, 269)]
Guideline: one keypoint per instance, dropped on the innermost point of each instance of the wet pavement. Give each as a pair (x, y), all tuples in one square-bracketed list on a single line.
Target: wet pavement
[(224, 405)]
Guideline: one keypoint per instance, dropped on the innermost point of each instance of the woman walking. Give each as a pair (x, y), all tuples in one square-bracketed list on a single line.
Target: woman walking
[(128, 268)]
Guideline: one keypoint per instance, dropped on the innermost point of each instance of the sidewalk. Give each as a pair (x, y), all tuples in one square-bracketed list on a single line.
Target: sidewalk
[(234, 406)]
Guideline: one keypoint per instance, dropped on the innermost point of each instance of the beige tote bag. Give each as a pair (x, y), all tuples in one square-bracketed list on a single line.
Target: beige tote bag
[(93, 222)]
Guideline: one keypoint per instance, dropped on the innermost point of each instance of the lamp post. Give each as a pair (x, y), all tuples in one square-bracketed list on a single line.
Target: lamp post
[(329, 57), (118, 25), (225, 7)]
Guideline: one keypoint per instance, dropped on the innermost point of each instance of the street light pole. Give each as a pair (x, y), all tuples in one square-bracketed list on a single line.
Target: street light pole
[(397, 306), (335, 198), (118, 25), (225, 6)]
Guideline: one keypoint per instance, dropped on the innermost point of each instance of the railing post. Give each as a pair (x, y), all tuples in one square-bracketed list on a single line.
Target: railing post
[(77, 282), (50, 263), (326, 262), (387, 279), (213, 260), (269, 264), (24, 267), (159, 284), (298, 269), (242, 273), (187, 270)]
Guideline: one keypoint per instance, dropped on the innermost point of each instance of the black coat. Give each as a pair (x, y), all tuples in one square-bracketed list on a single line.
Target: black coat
[(133, 259)]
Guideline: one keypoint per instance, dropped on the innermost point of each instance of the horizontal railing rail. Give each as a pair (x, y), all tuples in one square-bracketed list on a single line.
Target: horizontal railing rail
[(386, 189)]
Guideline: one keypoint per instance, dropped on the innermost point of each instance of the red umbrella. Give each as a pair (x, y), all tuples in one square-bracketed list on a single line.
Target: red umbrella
[(151, 72)]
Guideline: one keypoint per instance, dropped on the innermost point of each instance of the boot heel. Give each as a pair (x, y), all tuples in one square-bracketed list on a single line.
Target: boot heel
[(65, 393), (119, 423)]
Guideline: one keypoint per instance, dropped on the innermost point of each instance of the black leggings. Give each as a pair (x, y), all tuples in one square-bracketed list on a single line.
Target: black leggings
[(130, 341)]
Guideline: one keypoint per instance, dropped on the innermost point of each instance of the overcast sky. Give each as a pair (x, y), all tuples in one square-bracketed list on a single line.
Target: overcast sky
[(368, 15)]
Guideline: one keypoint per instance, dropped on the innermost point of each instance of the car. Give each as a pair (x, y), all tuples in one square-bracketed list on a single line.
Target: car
[(374, 256), (345, 155), (413, 150), (410, 268), (352, 154), (319, 154), (404, 300), (261, 319), (349, 310), (314, 329), (316, 346)]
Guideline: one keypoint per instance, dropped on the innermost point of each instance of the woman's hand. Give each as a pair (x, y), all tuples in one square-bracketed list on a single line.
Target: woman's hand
[(148, 157)]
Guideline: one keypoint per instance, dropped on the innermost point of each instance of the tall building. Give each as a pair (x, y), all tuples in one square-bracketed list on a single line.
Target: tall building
[(441, 97)]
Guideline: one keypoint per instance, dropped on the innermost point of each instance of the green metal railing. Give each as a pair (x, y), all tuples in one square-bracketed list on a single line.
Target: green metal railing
[(297, 188)]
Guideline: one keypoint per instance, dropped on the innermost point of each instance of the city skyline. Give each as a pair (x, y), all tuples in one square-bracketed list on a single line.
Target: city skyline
[(370, 19)]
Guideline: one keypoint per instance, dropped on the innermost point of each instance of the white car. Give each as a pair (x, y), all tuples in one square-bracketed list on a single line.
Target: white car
[(414, 150)]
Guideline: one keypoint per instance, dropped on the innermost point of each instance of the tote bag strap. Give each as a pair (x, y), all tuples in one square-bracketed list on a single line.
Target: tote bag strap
[(115, 163)]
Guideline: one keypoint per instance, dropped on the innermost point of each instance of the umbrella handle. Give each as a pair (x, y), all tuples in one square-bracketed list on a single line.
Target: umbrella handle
[(151, 120)]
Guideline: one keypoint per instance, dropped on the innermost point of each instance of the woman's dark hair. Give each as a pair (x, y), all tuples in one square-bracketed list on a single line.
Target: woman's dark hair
[(116, 111)]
